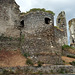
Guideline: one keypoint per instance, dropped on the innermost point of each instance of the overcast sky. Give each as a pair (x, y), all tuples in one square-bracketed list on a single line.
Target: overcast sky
[(54, 5)]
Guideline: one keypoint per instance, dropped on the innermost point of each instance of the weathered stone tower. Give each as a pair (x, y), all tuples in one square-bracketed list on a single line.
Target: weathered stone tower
[(9, 18), (72, 32), (61, 33), (39, 39), (61, 21)]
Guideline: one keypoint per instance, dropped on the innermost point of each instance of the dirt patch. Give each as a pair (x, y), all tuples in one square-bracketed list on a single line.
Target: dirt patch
[(67, 60), (12, 59)]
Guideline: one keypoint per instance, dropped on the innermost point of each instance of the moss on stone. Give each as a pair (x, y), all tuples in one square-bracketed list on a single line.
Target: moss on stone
[(38, 9), (58, 28), (67, 46)]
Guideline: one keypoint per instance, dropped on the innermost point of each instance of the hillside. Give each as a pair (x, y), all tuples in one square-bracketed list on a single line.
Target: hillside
[(11, 59)]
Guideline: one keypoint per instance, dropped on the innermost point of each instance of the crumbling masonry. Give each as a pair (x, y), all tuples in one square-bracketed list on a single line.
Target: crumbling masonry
[(33, 32), (72, 32)]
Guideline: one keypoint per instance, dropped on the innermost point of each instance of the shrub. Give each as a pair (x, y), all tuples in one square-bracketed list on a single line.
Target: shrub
[(29, 62), (26, 54), (71, 56), (72, 63), (63, 71), (22, 38), (6, 72), (38, 9), (40, 63), (66, 46)]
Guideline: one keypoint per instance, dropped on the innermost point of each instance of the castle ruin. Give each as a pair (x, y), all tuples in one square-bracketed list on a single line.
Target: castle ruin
[(33, 32)]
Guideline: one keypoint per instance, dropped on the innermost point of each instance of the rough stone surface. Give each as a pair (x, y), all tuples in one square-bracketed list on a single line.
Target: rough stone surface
[(61, 34), (9, 44), (9, 18), (54, 69), (48, 59), (60, 37), (9, 21), (39, 36), (72, 32)]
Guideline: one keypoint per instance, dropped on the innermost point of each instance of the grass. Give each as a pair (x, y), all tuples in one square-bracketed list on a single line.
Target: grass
[(6, 72), (71, 56), (72, 63), (67, 46), (58, 28), (40, 63), (38, 9), (26, 55), (29, 62)]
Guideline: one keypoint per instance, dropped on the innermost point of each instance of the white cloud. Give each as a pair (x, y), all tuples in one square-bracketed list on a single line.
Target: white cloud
[(55, 5)]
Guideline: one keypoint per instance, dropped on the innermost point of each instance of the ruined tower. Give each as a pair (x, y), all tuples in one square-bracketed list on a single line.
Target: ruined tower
[(61, 32), (61, 21), (38, 36), (72, 31), (9, 18)]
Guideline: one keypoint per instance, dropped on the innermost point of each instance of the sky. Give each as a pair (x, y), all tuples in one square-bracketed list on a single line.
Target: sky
[(54, 5)]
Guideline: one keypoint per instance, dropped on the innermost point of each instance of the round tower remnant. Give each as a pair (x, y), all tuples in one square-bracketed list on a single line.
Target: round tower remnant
[(38, 36)]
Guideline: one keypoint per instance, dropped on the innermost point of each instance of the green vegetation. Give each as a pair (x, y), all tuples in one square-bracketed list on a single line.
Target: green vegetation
[(2, 37), (22, 38), (72, 63), (40, 63), (71, 56), (5, 38), (58, 28), (63, 71), (6, 72), (38, 9), (26, 55), (67, 46), (29, 62), (22, 13)]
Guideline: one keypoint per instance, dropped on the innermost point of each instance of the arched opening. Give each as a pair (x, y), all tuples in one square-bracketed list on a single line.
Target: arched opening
[(59, 20), (73, 40), (22, 23), (47, 20)]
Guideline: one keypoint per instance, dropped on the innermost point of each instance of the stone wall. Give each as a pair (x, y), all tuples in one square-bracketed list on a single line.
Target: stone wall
[(72, 32), (9, 43), (9, 22), (9, 18), (53, 69), (47, 58), (62, 26), (60, 37)]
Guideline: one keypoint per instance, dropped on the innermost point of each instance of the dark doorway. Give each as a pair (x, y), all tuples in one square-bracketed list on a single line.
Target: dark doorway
[(59, 20), (22, 23), (47, 20), (73, 40)]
